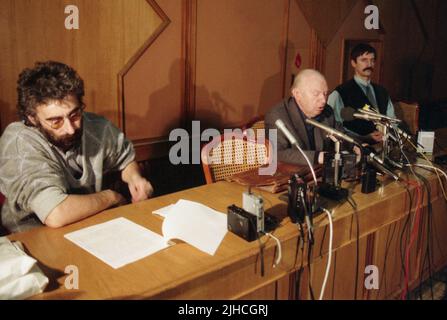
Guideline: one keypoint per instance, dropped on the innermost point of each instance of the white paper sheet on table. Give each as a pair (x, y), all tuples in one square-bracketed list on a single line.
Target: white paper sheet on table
[(163, 212), (196, 224), (118, 242)]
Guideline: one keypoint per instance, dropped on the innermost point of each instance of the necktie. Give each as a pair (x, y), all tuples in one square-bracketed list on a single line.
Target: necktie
[(370, 96)]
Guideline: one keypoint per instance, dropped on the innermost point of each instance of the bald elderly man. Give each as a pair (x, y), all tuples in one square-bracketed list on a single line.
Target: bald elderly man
[(308, 101)]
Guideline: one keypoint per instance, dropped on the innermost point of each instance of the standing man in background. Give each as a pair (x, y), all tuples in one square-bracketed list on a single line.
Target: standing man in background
[(360, 91)]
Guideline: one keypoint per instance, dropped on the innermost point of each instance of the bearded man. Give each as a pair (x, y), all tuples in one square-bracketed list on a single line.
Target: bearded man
[(53, 162)]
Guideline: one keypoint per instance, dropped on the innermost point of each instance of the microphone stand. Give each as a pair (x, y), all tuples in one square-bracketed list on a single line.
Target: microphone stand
[(335, 191), (385, 155), (337, 161), (385, 144), (292, 140)]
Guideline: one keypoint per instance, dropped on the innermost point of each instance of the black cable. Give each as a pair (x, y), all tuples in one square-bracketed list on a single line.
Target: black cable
[(387, 249), (301, 234), (427, 255), (408, 217), (261, 255), (309, 258), (434, 169), (429, 223), (419, 240), (309, 215), (261, 245), (406, 223), (431, 231), (300, 245), (351, 201)]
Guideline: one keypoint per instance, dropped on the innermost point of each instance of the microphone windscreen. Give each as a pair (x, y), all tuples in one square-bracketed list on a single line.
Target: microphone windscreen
[(281, 126), (347, 113)]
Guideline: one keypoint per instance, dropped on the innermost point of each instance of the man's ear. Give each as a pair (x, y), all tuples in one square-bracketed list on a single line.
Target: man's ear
[(353, 63), (296, 93), (32, 119)]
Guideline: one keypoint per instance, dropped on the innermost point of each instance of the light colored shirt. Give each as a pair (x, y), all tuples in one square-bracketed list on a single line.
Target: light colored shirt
[(35, 176), (336, 102)]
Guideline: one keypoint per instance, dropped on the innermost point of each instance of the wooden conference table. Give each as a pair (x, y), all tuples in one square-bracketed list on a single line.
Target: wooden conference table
[(371, 235)]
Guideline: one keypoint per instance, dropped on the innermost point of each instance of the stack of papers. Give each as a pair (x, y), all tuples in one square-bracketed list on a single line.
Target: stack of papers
[(196, 224), (120, 241)]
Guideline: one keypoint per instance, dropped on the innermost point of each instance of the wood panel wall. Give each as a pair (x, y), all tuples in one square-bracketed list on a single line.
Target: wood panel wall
[(240, 59), (109, 34), (351, 28), (219, 62), (153, 65)]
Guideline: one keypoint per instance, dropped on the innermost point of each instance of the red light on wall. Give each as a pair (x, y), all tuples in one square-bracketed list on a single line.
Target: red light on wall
[(298, 60)]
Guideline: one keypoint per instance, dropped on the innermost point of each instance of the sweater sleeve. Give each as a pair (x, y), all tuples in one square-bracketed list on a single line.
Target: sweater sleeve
[(119, 150), (30, 179)]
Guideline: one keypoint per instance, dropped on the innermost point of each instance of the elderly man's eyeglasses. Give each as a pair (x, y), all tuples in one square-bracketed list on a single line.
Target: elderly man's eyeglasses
[(58, 122)]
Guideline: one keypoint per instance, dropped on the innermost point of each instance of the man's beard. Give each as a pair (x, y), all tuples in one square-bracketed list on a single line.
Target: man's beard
[(65, 142)]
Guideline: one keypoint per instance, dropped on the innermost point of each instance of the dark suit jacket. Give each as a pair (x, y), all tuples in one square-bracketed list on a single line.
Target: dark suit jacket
[(288, 112)]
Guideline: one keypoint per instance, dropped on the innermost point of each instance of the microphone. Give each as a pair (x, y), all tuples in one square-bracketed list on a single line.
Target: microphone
[(367, 117), (404, 134), (367, 151), (373, 161), (281, 126), (381, 116), (332, 131), (372, 116), (377, 118), (349, 114)]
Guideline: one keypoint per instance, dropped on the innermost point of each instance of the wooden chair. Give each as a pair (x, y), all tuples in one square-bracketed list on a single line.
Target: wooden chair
[(255, 123), (225, 156), (409, 114)]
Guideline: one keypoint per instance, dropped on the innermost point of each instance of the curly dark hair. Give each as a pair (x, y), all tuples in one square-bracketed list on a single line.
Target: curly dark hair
[(49, 80)]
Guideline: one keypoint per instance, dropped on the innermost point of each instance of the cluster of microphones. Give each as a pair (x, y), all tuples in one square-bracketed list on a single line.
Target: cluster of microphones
[(349, 114), (381, 163), (371, 162)]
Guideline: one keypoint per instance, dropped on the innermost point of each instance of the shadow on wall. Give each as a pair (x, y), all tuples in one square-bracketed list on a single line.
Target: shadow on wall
[(211, 114), (272, 89), (158, 106), (161, 101), (216, 112), (5, 106), (414, 81)]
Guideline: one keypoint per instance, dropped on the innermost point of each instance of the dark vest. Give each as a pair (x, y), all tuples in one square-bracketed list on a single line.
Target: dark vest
[(353, 96)]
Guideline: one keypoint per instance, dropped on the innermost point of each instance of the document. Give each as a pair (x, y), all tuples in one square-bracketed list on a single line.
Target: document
[(163, 212), (118, 242), (196, 224)]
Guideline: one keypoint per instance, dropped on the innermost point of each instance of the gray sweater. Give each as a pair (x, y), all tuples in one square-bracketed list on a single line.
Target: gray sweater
[(35, 176)]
